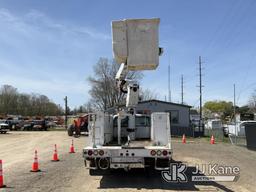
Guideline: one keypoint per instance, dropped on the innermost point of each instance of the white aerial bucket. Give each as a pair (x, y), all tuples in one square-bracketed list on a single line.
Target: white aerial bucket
[(135, 42)]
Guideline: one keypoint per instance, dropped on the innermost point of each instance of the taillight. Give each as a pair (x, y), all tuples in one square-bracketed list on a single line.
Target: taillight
[(159, 152), (90, 152), (165, 152), (101, 152), (153, 152), (95, 152)]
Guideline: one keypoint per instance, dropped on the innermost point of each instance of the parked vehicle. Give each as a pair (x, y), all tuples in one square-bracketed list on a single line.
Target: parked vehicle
[(50, 124), (27, 125), (213, 124), (34, 125), (127, 140), (4, 126), (238, 128), (39, 125), (80, 125), (13, 122)]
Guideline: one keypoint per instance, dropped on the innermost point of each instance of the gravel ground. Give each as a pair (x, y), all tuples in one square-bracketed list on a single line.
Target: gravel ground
[(69, 174)]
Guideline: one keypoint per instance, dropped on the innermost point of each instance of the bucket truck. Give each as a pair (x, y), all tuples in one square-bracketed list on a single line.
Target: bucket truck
[(119, 140)]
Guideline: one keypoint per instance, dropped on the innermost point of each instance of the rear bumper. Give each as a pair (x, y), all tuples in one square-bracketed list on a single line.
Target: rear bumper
[(93, 164), (129, 158)]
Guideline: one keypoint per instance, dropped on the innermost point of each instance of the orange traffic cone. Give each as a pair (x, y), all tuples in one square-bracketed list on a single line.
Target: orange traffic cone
[(1, 176), (55, 154), (72, 150), (35, 165), (212, 140), (183, 138)]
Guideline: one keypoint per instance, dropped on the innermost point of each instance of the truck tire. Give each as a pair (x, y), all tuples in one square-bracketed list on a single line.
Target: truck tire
[(70, 130), (4, 132), (78, 132)]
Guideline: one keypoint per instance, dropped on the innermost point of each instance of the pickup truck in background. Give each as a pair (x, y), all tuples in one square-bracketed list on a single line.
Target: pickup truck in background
[(4, 126)]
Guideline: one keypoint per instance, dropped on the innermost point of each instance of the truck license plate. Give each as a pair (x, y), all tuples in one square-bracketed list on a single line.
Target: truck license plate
[(127, 159)]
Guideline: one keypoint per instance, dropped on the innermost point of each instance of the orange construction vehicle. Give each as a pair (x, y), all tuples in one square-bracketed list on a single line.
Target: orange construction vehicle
[(79, 125)]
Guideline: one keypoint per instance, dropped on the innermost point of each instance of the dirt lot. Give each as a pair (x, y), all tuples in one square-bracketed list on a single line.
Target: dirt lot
[(69, 174)]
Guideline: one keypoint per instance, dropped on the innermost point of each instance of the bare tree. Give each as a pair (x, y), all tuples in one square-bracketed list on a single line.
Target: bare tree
[(8, 102), (104, 92), (252, 102), (147, 94), (13, 102), (88, 107)]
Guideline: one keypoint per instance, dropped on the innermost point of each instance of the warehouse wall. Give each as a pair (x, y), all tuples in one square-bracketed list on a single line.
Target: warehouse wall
[(183, 111)]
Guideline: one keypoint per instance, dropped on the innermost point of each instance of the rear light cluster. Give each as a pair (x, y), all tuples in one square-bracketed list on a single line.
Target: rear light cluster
[(159, 153), (95, 152)]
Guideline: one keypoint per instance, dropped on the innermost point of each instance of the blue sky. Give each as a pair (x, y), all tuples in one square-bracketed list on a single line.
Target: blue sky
[(50, 46)]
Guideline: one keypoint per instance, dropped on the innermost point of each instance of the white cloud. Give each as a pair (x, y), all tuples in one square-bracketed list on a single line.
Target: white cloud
[(39, 17)]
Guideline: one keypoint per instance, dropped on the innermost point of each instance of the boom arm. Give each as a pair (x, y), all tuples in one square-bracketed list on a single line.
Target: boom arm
[(120, 77), (128, 86), (135, 47)]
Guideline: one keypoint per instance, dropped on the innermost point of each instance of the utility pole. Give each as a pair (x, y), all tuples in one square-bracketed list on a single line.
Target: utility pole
[(201, 127), (234, 105), (66, 111), (182, 93), (169, 83)]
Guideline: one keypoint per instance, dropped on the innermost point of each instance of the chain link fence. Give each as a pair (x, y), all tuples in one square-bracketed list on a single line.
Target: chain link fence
[(237, 140), (217, 133)]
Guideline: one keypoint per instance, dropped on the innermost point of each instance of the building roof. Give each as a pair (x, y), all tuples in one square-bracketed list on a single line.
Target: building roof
[(165, 102)]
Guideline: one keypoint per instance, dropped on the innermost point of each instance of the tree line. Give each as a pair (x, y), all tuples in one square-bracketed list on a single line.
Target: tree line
[(226, 109), (15, 103)]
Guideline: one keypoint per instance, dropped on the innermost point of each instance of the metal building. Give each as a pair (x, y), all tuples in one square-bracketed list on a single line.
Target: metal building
[(179, 114)]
